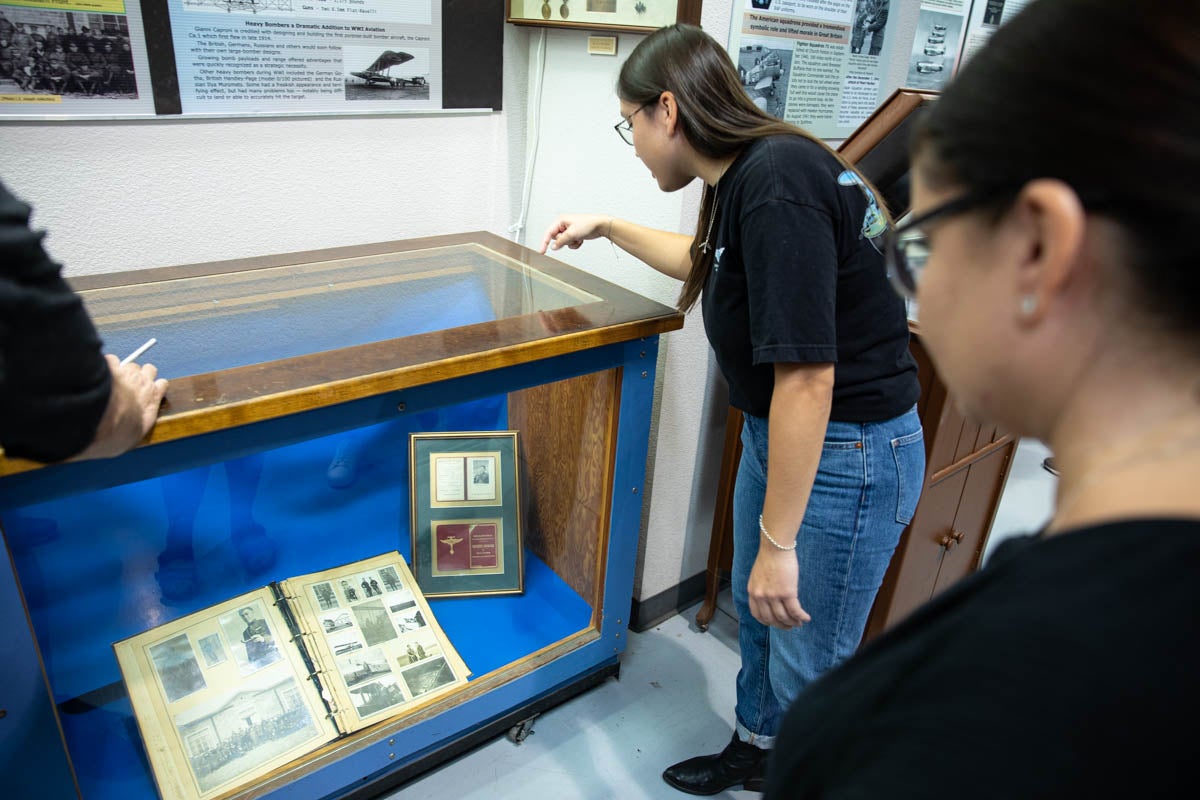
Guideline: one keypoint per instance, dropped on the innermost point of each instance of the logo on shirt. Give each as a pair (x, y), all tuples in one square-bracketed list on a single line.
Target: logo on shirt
[(717, 258), (874, 223)]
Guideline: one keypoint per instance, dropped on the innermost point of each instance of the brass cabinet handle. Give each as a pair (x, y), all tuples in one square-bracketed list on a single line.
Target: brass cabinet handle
[(952, 538)]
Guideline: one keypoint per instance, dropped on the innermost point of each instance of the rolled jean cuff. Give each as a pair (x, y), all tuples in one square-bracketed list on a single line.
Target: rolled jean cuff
[(756, 739)]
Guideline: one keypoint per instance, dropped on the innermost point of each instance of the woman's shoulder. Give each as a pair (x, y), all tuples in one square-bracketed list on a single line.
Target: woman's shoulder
[(791, 146), (789, 167)]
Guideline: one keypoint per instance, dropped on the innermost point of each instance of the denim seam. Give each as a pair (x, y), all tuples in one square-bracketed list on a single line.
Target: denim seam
[(849, 566), (765, 671)]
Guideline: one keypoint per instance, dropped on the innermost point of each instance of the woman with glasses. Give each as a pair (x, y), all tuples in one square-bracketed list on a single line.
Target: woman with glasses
[(1056, 195), (786, 263)]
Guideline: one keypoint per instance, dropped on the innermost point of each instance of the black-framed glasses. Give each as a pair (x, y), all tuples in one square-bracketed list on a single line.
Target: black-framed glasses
[(906, 247), (624, 128)]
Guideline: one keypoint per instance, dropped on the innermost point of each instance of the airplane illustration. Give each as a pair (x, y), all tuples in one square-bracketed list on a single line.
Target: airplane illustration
[(380, 71)]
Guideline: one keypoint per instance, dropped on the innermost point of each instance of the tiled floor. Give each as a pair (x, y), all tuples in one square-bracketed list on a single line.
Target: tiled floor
[(674, 700)]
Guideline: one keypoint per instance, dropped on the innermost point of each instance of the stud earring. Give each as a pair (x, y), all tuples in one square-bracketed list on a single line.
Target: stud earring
[(1029, 304)]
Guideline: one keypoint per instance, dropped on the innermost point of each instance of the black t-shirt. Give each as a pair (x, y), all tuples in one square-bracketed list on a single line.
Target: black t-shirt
[(54, 382), (1069, 667), (798, 278)]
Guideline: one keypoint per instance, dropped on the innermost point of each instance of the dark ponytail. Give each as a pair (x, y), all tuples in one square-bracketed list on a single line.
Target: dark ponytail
[(1105, 96)]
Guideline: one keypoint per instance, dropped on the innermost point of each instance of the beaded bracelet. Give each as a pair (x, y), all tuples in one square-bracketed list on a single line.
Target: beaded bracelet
[(771, 538)]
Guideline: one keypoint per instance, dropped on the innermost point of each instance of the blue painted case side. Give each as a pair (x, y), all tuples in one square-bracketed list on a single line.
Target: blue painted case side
[(33, 761), (638, 359)]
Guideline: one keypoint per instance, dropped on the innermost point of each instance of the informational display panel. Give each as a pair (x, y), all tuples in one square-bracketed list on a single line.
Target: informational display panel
[(118, 58), (819, 64)]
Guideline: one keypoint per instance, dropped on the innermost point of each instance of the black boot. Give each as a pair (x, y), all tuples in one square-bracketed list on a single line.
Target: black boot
[(738, 764)]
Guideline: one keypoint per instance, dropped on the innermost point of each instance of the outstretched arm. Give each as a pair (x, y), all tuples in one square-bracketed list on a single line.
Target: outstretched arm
[(669, 253)]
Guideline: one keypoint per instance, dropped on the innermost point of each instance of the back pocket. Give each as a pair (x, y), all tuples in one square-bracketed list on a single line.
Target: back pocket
[(909, 452)]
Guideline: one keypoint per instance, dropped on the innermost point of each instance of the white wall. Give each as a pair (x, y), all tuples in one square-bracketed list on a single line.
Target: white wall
[(127, 195), (124, 195)]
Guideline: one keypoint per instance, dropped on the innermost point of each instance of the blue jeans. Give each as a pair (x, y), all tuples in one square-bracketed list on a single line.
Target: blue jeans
[(865, 492)]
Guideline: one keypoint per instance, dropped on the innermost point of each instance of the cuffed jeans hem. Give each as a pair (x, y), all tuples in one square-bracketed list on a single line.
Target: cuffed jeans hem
[(756, 739)]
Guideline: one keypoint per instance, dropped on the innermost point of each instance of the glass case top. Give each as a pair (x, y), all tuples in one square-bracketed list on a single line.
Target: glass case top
[(213, 322), (254, 339)]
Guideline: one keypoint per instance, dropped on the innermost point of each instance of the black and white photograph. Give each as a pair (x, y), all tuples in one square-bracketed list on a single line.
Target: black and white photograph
[(240, 730), (254, 644), (66, 53), (213, 649), (336, 622), (764, 69), (349, 591), (177, 669), (245, 6), (409, 621), (403, 604), (386, 71), (345, 644), (481, 484), (326, 597), (418, 648), (368, 585), (427, 676), (391, 581), (363, 666), (371, 698), (374, 623), (870, 25), (602, 6), (993, 13), (932, 60)]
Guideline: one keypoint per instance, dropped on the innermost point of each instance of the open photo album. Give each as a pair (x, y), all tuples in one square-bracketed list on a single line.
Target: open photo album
[(231, 693)]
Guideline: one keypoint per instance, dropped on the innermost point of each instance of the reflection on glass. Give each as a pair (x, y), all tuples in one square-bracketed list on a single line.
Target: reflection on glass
[(216, 322)]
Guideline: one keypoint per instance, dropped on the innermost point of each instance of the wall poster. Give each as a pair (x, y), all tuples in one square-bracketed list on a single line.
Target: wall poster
[(937, 43), (818, 64), (137, 58)]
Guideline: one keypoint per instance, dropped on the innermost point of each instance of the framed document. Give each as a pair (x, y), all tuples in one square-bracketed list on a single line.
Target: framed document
[(635, 16), (466, 513)]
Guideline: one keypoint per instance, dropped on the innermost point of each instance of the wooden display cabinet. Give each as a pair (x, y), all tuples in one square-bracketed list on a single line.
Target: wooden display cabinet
[(296, 382), (967, 464)]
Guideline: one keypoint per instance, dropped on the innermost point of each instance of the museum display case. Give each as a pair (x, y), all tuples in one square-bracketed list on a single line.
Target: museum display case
[(967, 463), (299, 384)]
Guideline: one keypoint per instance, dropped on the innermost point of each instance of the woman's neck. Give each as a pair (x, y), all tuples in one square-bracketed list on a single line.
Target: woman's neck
[(1130, 449)]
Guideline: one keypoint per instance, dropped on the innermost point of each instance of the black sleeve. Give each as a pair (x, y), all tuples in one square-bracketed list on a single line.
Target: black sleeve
[(54, 382), (791, 259)]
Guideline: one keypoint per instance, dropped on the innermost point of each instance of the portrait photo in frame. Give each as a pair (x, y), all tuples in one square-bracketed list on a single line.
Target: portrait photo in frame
[(466, 513), (634, 16)]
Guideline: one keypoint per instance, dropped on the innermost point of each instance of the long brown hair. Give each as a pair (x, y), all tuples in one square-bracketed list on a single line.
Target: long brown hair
[(717, 116)]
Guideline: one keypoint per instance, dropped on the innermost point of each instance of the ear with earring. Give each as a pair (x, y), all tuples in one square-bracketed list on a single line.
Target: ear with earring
[(1029, 304)]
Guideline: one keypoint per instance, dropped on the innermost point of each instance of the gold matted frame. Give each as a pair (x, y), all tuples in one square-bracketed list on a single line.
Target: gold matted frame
[(465, 509), (633, 16)]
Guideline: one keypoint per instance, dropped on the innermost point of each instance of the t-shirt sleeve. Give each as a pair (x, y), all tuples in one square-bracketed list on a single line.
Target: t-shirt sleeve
[(54, 381), (791, 258)]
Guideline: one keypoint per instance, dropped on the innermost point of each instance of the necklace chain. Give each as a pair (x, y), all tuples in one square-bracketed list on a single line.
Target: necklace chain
[(712, 215)]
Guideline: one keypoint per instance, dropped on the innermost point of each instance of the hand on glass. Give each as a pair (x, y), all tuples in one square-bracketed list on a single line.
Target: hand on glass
[(132, 410), (572, 230), (773, 587)]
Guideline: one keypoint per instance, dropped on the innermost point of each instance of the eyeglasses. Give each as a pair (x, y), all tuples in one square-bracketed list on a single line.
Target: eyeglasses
[(624, 128), (906, 247)]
